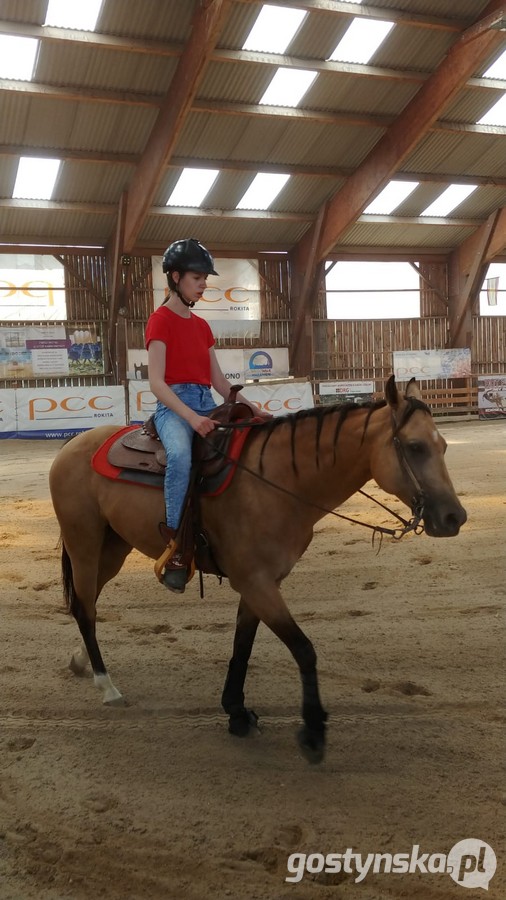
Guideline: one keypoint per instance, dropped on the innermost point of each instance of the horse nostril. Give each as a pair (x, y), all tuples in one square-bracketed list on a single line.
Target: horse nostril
[(453, 521), (462, 516)]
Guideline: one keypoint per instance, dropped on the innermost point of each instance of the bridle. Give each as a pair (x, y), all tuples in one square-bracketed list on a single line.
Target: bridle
[(415, 524), (418, 502)]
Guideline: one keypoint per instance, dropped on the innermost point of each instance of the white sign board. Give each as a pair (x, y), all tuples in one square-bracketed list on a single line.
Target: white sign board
[(428, 364), (492, 396), (62, 412), (231, 302), (33, 291), (345, 391), (280, 399), (276, 399), (266, 363)]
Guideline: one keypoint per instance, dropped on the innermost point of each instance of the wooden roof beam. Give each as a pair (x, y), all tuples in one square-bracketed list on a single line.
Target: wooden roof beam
[(403, 135), (207, 22)]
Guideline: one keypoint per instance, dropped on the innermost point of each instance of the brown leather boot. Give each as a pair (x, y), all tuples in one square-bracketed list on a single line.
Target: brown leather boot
[(175, 574)]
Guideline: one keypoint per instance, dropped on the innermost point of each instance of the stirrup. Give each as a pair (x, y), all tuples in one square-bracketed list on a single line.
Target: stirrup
[(162, 561), (166, 556)]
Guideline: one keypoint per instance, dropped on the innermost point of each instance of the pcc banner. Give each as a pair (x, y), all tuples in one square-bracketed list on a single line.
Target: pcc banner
[(428, 364), (276, 399), (62, 412), (231, 302), (32, 288)]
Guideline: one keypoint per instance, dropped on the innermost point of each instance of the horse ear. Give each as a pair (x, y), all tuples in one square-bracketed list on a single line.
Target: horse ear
[(391, 392), (412, 389)]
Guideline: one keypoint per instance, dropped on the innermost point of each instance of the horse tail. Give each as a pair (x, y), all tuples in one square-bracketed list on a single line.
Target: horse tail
[(67, 577)]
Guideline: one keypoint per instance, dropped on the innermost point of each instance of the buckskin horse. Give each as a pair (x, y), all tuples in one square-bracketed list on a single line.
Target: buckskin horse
[(292, 471)]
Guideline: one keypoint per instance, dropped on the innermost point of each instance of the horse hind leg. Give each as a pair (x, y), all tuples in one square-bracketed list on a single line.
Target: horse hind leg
[(82, 588), (232, 699)]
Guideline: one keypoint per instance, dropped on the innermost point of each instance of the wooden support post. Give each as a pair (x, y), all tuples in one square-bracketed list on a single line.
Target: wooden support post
[(118, 265), (468, 264), (306, 276)]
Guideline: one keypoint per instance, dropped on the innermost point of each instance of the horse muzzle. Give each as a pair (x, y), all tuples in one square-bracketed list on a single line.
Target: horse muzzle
[(444, 522)]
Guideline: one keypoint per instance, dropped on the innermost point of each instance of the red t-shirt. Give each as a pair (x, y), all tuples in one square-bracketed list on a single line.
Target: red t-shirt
[(187, 341)]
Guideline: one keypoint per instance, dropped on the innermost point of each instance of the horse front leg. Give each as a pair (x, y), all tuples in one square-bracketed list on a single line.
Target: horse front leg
[(270, 607), (232, 699)]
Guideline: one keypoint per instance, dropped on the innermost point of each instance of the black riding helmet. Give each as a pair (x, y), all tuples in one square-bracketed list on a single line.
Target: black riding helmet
[(188, 256)]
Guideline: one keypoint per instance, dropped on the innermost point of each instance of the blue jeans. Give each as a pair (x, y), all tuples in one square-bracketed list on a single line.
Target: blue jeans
[(176, 436)]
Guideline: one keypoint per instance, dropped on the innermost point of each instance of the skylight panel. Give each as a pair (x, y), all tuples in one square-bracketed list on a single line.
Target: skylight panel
[(452, 197), (496, 114), (274, 29), (192, 187), (36, 178), (497, 69), (262, 191), (17, 57), (361, 40), (391, 197), (288, 87), (79, 14)]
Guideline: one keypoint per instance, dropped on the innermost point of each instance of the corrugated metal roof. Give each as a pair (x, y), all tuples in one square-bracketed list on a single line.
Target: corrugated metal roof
[(459, 153), (48, 224), (214, 230), (147, 19), (89, 66), (446, 8), (403, 235), (93, 99), (95, 182)]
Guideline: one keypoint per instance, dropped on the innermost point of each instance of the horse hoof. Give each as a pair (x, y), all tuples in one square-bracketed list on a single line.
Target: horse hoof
[(312, 745), (118, 701), (241, 722), (77, 667)]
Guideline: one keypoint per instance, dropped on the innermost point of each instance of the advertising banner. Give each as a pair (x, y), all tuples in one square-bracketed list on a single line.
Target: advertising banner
[(236, 365), (38, 351), (345, 391), (231, 303), (428, 364), (31, 288), (276, 399), (266, 363), (492, 396), (62, 412), (7, 413), (281, 399)]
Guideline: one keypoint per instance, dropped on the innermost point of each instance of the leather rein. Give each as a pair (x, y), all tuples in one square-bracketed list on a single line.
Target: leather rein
[(414, 524)]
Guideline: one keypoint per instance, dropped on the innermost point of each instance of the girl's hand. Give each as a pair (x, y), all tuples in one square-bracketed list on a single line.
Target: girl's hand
[(202, 424)]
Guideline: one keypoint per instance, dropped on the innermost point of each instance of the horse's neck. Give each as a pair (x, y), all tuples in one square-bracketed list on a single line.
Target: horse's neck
[(332, 471)]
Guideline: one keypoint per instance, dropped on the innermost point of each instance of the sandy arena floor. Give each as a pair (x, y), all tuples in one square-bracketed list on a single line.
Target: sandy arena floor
[(157, 800)]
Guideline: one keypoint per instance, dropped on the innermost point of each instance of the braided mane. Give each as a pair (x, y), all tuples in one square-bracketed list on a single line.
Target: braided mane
[(321, 413)]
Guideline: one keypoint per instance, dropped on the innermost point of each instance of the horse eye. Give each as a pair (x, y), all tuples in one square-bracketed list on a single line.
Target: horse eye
[(416, 447)]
